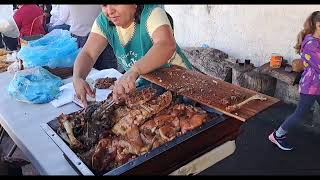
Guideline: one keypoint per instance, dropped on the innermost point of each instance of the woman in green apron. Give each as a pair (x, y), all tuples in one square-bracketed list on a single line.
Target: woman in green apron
[(142, 39)]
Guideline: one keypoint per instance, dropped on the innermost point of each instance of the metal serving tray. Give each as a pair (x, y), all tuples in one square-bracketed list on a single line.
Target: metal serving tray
[(143, 161)]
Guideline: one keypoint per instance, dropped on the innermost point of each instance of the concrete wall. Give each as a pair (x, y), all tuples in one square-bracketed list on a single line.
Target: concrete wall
[(243, 31)]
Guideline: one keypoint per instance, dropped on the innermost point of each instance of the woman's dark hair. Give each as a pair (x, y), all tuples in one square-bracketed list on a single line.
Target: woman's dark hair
[(136, 15), (309, 27)]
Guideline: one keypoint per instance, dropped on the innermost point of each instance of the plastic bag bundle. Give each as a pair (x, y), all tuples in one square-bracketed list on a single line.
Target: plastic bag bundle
[(35, 85), (56, 49)]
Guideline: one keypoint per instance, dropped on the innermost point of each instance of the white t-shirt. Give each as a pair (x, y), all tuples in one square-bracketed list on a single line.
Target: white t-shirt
[(82, 18), (64, 16), (54, 13), (8, 26)]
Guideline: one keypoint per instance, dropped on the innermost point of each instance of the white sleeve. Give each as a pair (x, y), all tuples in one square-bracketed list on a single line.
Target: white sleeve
[(54, 13), (63, 15)]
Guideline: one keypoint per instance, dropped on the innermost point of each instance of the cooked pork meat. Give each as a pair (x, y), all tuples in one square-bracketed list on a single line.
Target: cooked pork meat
[(133, 137), (107, 138), (103, 156), (163, 119), (140, 97), (148, 127), (84, 127), (104, 83), (68, 125), (141, 113), (168, 132)]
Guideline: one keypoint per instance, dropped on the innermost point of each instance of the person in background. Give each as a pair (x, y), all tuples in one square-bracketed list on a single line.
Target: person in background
[(80, 29), (54, 15), (308, 46), (15, 7), (25, 16), (8, 28), (142, 39), (62, 20), (47, 9)]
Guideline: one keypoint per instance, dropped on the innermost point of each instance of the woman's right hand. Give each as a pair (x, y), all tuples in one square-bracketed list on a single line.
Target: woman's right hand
[(82, 89)]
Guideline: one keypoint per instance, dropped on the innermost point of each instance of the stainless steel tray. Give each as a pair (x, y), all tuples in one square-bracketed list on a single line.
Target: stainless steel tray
[(82, 169)]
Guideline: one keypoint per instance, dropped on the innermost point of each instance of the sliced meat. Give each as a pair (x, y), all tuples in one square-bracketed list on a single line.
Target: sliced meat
[(140, 97), (196, 120), (147, 139), (176, 123), (158, 142), (133, 137), (168, 132), (104, 83), (121, 127), (185, 125), (103, 156), (158, 104), (148, 127), (120, 112), (163, 119), (123, 157)]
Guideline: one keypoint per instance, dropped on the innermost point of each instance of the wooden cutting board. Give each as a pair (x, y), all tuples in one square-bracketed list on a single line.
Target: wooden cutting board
[(209, 91)]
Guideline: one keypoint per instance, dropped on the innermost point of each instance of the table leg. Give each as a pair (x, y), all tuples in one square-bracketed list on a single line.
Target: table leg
[(14, 147), (1, 134)]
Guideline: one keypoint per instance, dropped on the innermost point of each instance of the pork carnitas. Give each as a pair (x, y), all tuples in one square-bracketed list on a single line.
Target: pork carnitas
[(83, 128), (105, 139), (137, 98), (104, 83)]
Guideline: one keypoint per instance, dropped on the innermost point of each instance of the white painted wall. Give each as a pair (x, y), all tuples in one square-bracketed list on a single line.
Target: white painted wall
[(243, 31)]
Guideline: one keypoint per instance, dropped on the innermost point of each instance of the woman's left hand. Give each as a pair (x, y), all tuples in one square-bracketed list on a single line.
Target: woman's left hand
[(125, 85)]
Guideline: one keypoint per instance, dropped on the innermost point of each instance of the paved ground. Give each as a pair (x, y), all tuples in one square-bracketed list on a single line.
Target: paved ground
[(254, 154)]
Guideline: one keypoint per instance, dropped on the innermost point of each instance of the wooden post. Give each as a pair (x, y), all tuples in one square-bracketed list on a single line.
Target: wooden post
[(247, 76), (238, 73), (260, 82)]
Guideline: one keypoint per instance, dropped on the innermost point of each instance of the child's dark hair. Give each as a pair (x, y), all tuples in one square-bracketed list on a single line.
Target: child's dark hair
[(309, 27), (136, 15)]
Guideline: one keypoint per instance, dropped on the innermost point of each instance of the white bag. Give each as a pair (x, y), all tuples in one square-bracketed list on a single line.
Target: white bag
[(8, 26), (15, 67)]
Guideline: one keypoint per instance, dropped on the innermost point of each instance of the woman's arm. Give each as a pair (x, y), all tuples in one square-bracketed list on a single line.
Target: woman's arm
[(89, 54), (84, 63), (164, 45), (161, 51)]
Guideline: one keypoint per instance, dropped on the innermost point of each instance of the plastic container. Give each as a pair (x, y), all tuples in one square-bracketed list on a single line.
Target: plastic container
[(275, 60)]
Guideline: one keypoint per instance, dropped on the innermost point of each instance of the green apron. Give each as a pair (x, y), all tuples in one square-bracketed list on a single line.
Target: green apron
[(138, 45)]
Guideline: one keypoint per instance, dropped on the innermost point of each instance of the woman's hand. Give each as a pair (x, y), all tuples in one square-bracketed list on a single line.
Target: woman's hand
[(82, 88), (125, 85)]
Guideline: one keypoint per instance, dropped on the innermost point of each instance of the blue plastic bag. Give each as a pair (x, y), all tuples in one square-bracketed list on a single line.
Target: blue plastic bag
[(36, 85), (56, 49)]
